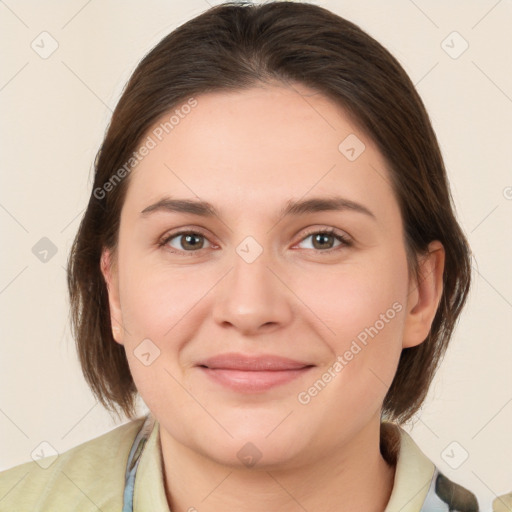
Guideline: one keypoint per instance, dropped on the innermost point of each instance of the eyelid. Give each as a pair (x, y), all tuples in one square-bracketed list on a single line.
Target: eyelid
[(341, 236), (345, 239), (164, 239)]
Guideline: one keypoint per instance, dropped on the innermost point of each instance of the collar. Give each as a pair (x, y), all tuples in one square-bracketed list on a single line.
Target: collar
[(418, 485), (414, 473), (149, 490)]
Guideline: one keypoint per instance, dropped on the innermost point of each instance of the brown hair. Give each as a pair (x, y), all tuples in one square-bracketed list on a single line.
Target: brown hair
[(232, 47)]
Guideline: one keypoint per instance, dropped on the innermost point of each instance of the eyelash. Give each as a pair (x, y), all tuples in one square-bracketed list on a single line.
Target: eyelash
[(345, 241)]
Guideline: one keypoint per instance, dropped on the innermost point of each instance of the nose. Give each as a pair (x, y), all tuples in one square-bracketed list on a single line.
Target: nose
[(253, 297)]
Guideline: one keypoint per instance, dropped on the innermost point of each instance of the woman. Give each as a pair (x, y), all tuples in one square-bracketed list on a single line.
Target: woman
[(270, 258)]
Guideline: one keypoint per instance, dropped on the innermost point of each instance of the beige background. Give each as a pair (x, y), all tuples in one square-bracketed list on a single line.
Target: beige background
[(54, 112)]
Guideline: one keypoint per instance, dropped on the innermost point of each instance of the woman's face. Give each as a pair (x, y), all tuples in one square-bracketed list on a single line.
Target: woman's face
[(257, 324)]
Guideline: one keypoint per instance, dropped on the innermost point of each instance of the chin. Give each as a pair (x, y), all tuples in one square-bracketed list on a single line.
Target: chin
[(259, 454), (256, 444)]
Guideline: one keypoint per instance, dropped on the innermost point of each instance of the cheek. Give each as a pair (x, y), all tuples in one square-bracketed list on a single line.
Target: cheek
[(363, 309), (157, 304), (155, 298), (355, 297)]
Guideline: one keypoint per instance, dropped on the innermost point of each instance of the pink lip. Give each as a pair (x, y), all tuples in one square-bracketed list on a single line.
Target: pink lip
[(252, 373)]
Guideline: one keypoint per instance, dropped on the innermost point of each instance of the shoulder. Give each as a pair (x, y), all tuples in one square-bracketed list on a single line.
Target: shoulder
[(419, 485), (438, 493), (89, 476), (502, 503), (447, 495)]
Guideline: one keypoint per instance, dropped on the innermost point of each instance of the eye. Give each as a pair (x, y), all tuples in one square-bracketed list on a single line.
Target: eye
[(324, 239), (187, 241)]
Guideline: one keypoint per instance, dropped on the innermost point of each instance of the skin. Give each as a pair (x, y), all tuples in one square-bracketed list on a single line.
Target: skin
[(248, 153)]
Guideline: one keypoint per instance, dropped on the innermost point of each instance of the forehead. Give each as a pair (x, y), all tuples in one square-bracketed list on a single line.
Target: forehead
[(259, 145)]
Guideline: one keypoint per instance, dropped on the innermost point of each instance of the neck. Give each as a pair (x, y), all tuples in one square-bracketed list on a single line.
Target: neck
[(351, 477)]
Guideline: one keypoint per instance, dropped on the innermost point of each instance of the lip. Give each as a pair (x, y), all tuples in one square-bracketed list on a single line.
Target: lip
[(252, 374)]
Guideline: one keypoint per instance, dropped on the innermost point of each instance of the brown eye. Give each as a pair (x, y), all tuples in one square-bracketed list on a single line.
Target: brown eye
[(325, 240), (187, 241)]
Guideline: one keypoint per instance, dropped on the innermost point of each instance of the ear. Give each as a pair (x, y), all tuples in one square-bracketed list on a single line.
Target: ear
[(425, 292), (110, 274)]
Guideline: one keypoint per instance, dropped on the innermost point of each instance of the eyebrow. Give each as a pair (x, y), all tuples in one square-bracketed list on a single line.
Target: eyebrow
[(292, 208)]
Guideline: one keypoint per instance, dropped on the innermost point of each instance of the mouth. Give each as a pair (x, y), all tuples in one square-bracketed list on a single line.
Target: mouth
[(252, 374)]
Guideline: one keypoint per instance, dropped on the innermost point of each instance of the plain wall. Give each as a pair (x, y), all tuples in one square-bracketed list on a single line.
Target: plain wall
[(54, 112)]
